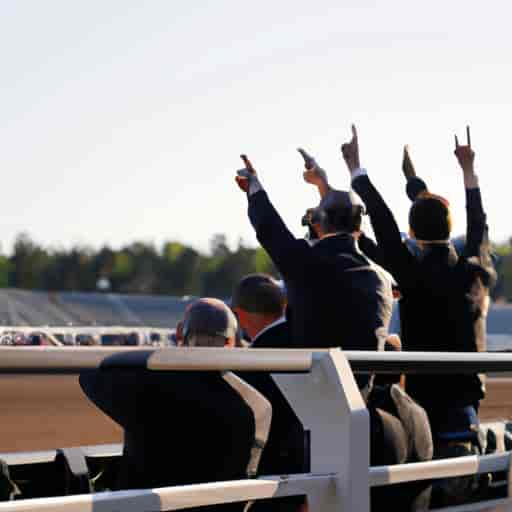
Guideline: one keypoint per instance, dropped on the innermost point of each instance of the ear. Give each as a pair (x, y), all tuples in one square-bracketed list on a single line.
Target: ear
[(242, 316), (411, 233), (230, 343), (318, 230)]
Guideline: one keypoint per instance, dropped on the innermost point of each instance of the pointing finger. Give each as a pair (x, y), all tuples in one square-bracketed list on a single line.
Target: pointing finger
[(309, 161), (247, 163), (354, 131), (468, 136), (456, 142)]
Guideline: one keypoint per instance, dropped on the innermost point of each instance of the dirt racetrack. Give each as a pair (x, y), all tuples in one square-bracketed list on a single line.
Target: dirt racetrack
[(498, 402), (50, 411)]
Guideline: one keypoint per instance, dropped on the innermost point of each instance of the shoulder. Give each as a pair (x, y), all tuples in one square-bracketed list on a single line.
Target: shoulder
[(277, 336)]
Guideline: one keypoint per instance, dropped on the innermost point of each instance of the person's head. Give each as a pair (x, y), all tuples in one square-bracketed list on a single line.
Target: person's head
[(258, 301), (208, 323), (338, 212), (430, 218)]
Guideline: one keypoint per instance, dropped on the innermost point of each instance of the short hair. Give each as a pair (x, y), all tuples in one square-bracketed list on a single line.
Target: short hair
[(430, 218), (340, 211), (209, 323), (259, 293)]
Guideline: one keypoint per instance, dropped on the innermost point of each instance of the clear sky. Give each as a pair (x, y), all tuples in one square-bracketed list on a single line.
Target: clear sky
[(123, 120)]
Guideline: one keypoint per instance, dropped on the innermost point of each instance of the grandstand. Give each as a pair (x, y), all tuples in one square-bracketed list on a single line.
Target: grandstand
[(37, 308)]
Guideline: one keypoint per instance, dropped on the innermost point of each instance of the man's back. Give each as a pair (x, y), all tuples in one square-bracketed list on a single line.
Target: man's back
[(440, 295), (286, 450), (180, 427), (340, 299)]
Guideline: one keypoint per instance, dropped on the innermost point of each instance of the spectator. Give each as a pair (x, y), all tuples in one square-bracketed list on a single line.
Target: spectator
[(399, 428), (336, 297), (437, 290), (259, 303), (214, 417)]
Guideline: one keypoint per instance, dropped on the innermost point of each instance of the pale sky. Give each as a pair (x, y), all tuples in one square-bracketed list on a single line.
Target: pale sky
[(123, 120)]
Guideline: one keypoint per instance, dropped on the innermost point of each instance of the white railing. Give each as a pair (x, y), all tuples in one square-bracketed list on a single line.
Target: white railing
[(320, 387)]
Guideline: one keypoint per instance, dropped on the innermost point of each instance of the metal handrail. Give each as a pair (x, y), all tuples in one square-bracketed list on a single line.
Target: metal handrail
[(274, 360), (379, 475)]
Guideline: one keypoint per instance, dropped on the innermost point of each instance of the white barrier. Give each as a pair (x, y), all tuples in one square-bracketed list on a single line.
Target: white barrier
[(321, 389), (179, 497)]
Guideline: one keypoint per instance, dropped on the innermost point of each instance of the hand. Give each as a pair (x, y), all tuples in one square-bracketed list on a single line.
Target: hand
[(313, 174), (407, 165), (244, 175), (465, 155), (350, 152)]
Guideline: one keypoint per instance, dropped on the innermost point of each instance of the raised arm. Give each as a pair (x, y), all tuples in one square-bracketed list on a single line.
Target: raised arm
[(314, 174), (477, 239), (415, 185), (398, 260), (284, 249)]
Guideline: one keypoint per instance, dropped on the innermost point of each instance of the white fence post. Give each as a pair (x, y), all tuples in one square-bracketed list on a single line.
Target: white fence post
[(329, 404)]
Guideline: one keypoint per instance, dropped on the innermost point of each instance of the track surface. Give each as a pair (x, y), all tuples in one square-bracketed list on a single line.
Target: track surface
[(43, 412), (50, 411)]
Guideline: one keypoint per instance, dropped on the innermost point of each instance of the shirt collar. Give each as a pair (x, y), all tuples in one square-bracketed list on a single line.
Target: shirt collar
[(279, 321)]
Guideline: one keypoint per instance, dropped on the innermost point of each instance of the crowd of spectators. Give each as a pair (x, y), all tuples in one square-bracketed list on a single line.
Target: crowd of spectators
[(337, 291)]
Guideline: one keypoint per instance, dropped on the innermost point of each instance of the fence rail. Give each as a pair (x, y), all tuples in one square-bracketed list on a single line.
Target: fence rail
[(321, 388), (18, 359)]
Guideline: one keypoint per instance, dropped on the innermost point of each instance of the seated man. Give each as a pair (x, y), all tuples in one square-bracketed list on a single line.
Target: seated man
[(259, 302), (183, 427)]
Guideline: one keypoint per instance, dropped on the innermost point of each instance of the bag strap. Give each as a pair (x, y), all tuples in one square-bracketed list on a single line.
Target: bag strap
[(262, 411)]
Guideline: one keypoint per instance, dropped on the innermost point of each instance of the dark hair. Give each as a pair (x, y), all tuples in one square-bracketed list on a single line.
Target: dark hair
[(339, 211), (341, 218), (430, 219), (259, 293)]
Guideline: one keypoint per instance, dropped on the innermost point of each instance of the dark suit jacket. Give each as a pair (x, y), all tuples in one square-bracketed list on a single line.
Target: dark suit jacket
[(336, 299), (287, 448), (180, 427)]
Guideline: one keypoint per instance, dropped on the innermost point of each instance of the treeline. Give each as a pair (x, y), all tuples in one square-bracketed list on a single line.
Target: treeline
[(172, 269)]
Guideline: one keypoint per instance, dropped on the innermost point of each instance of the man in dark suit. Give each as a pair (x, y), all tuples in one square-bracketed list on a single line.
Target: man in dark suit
[(336, 296), (438, 288), (259, 303), (182, 427)]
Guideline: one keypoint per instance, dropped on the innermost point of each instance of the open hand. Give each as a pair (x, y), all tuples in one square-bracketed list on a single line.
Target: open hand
[(465, 155), (245, 175), (407, 165), (350, 152)]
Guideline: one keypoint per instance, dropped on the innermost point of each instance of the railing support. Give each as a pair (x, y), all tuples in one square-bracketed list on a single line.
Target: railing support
[(330, 405)]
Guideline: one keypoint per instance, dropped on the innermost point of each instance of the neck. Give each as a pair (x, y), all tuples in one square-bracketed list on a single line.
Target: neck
[(256, 325)]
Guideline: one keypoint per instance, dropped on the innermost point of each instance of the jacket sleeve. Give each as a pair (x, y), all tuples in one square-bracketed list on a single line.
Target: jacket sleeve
[(477, 235), (370, 249), (289, 254), (397, 258), (414, 187)]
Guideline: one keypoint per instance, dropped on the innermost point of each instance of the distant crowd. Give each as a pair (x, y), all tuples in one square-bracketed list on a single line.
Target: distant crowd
[(338, 290)]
